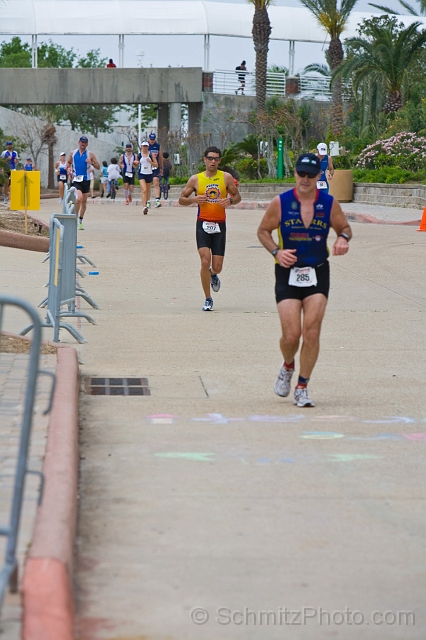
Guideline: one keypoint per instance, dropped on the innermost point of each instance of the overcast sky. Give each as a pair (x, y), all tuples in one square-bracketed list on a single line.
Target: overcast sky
[(188, 51)]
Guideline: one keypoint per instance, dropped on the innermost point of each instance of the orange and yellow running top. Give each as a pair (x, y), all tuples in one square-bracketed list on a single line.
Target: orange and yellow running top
[(215, 189)]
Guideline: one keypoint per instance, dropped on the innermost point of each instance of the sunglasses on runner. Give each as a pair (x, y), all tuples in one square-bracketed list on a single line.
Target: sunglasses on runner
[(303, 174), (212, 159)]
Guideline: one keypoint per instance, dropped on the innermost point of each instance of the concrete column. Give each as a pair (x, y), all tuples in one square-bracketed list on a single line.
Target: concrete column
[(291, 53), (121, 51), (195, 110), (206, 52), (175, 116), (34, 52), (163, 117)]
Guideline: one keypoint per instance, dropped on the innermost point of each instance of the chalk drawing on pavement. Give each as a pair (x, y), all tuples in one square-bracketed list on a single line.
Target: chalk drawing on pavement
[(190, 455), (161, 418), (350, 457)]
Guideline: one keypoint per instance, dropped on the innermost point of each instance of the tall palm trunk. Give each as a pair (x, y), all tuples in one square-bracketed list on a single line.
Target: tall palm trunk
[(261, 31), (394, 102), (335, 58)]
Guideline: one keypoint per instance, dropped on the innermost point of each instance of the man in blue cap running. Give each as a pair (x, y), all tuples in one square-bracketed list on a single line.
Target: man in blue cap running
[(81, 160)]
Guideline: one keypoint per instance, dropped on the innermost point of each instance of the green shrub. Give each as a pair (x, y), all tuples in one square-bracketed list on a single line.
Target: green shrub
[(248, 169), (388, 175), (179, 180), (344, 162)]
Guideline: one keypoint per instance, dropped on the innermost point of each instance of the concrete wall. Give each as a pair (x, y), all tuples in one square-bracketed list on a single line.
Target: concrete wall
[(16, 124), (100, 86), (218, 108), (224, 117), (392, 195)]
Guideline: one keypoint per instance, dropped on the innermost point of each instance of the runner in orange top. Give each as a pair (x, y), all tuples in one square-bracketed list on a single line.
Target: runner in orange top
[(214, 191)]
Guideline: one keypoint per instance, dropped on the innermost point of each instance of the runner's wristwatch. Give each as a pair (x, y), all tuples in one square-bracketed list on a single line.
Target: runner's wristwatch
[(344, 235), (275, 251)]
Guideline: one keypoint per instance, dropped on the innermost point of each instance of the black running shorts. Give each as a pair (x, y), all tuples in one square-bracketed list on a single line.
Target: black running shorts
[(145, 176), (214, 241), (83, 186), (285, 291), (127, 180)]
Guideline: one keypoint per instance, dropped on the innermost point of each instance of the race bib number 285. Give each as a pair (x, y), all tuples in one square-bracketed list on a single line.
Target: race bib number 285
[(302, 277)]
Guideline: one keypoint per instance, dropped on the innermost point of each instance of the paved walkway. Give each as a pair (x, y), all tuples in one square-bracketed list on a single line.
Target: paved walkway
[(212, 492), (380, 213), (13, 375)]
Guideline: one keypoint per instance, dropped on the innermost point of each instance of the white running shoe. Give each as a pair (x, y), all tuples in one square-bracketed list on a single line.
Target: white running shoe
[(301, 398), (208, 305), (157, 204), (282, 383), (215, 282), (60, 200)]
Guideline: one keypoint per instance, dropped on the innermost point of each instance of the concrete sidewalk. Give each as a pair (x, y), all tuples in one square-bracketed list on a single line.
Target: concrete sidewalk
[(212, 492), (357, 212)]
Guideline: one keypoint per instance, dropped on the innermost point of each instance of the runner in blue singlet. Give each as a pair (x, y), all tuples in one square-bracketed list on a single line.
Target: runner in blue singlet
[(12, 159), (28, 166), (157, 155), (303, 217), (326, 166), (80, 160)]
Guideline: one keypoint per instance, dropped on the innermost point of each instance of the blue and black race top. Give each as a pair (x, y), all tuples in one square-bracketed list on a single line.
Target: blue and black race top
[(311, 243), (324, 167)]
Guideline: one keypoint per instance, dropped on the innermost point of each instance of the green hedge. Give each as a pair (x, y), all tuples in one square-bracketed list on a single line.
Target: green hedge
[(388, 175)]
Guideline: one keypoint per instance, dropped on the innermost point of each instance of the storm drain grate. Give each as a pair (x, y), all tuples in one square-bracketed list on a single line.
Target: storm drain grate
[(117, 387)]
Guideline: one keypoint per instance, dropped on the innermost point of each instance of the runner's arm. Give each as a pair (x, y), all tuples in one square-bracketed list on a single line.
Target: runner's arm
[(339, 223), (94, 161), (330, 167), (191, 186), (270, 222), (233, 190), (161, 160)]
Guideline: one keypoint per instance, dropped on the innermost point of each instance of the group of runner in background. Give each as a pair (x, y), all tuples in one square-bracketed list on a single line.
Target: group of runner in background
[(150, 167)]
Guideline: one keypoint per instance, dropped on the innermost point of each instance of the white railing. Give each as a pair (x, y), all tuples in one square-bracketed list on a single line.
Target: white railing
[(310, 86)]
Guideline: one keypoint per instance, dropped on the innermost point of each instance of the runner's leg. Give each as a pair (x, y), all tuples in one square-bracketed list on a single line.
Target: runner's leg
[(289, 311), (156, 187), (83, 205), (313, 312), (79, 198), (61, 189), (205, 256), (217, 264)]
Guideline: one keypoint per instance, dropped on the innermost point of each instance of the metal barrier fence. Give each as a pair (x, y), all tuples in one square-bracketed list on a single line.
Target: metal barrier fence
[(63, 285), (9, 571), (315, 87)]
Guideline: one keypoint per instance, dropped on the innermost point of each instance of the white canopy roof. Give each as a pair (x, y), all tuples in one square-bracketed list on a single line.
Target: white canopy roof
[(160, 17)]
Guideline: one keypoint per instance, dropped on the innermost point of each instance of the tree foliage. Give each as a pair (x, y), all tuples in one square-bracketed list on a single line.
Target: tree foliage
[(333, 16)]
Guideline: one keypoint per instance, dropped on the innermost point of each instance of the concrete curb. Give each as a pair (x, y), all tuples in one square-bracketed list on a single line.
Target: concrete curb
[(22, 241), (253, 205), (366, 218), (48, 599)]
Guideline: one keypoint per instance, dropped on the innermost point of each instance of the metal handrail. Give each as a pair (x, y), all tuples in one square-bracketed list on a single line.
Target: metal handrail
[(9, 571), (311, 86)]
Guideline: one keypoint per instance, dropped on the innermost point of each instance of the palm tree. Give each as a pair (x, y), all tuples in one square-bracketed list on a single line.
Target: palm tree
[(333, 18), (405, 5), (384, 60), (261, 31)]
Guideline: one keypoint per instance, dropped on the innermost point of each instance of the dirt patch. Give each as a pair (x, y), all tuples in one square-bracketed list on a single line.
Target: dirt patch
[(9, 344), (15, 221)]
